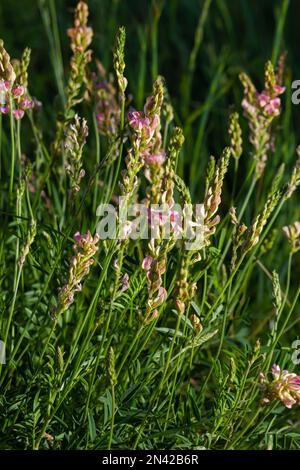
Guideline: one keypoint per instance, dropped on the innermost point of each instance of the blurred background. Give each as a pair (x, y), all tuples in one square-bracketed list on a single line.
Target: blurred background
[(230, 36)]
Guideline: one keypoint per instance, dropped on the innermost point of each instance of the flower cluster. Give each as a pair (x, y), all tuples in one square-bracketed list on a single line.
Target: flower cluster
[(201, 229), (235, 133), (260, 109), (185, 289), (160, 171), (295, 177), (237, 237), (15, 95), (29, 241), (145, 126), (80, 38), (284, 387), (13, 87), (84, 248), (292, 232), (119, 61), (80, 34), (260, 221), (155, 268), (104, 95), (7, 72), (76, 135), (213, 195)]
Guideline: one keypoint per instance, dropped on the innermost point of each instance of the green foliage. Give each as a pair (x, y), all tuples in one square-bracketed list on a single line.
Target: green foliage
[(103, 374)]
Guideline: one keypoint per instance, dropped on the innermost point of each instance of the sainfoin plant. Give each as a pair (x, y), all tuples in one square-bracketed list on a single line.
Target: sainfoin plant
[(148, 292)]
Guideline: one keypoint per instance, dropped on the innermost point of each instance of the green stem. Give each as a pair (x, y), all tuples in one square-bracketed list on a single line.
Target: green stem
[(97, 137), (117, 171), (12, 156), (113, 402)]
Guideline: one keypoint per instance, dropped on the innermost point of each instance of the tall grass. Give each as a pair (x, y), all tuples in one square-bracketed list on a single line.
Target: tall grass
[(126, 344)]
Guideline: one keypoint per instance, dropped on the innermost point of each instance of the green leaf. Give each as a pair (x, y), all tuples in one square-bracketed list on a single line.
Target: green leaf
[(92, 426)]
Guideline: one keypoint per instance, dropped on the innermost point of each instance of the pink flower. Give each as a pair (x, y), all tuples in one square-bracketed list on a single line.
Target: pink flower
[(279, 89), (285, 387), (18, 113), (155, 121), (77, 237), (4, 109), (18, 91), (156, 159), (275, 371), (273, 106), (134, 118), (270, 105), (263, 99), (249, 108), (142, 124), (100, 117), (4, 85), (26, 103), (147, 262), (160, 297)]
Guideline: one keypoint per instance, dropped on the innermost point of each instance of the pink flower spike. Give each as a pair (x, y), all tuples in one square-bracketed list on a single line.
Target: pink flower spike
[(18, 113), (18, 91)]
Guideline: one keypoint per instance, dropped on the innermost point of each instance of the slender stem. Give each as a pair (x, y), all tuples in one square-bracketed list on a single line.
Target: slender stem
[(0, 145), (12, 307), (117, 171), (245, 428), (113, 410), (12, 142), (97, 137)]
